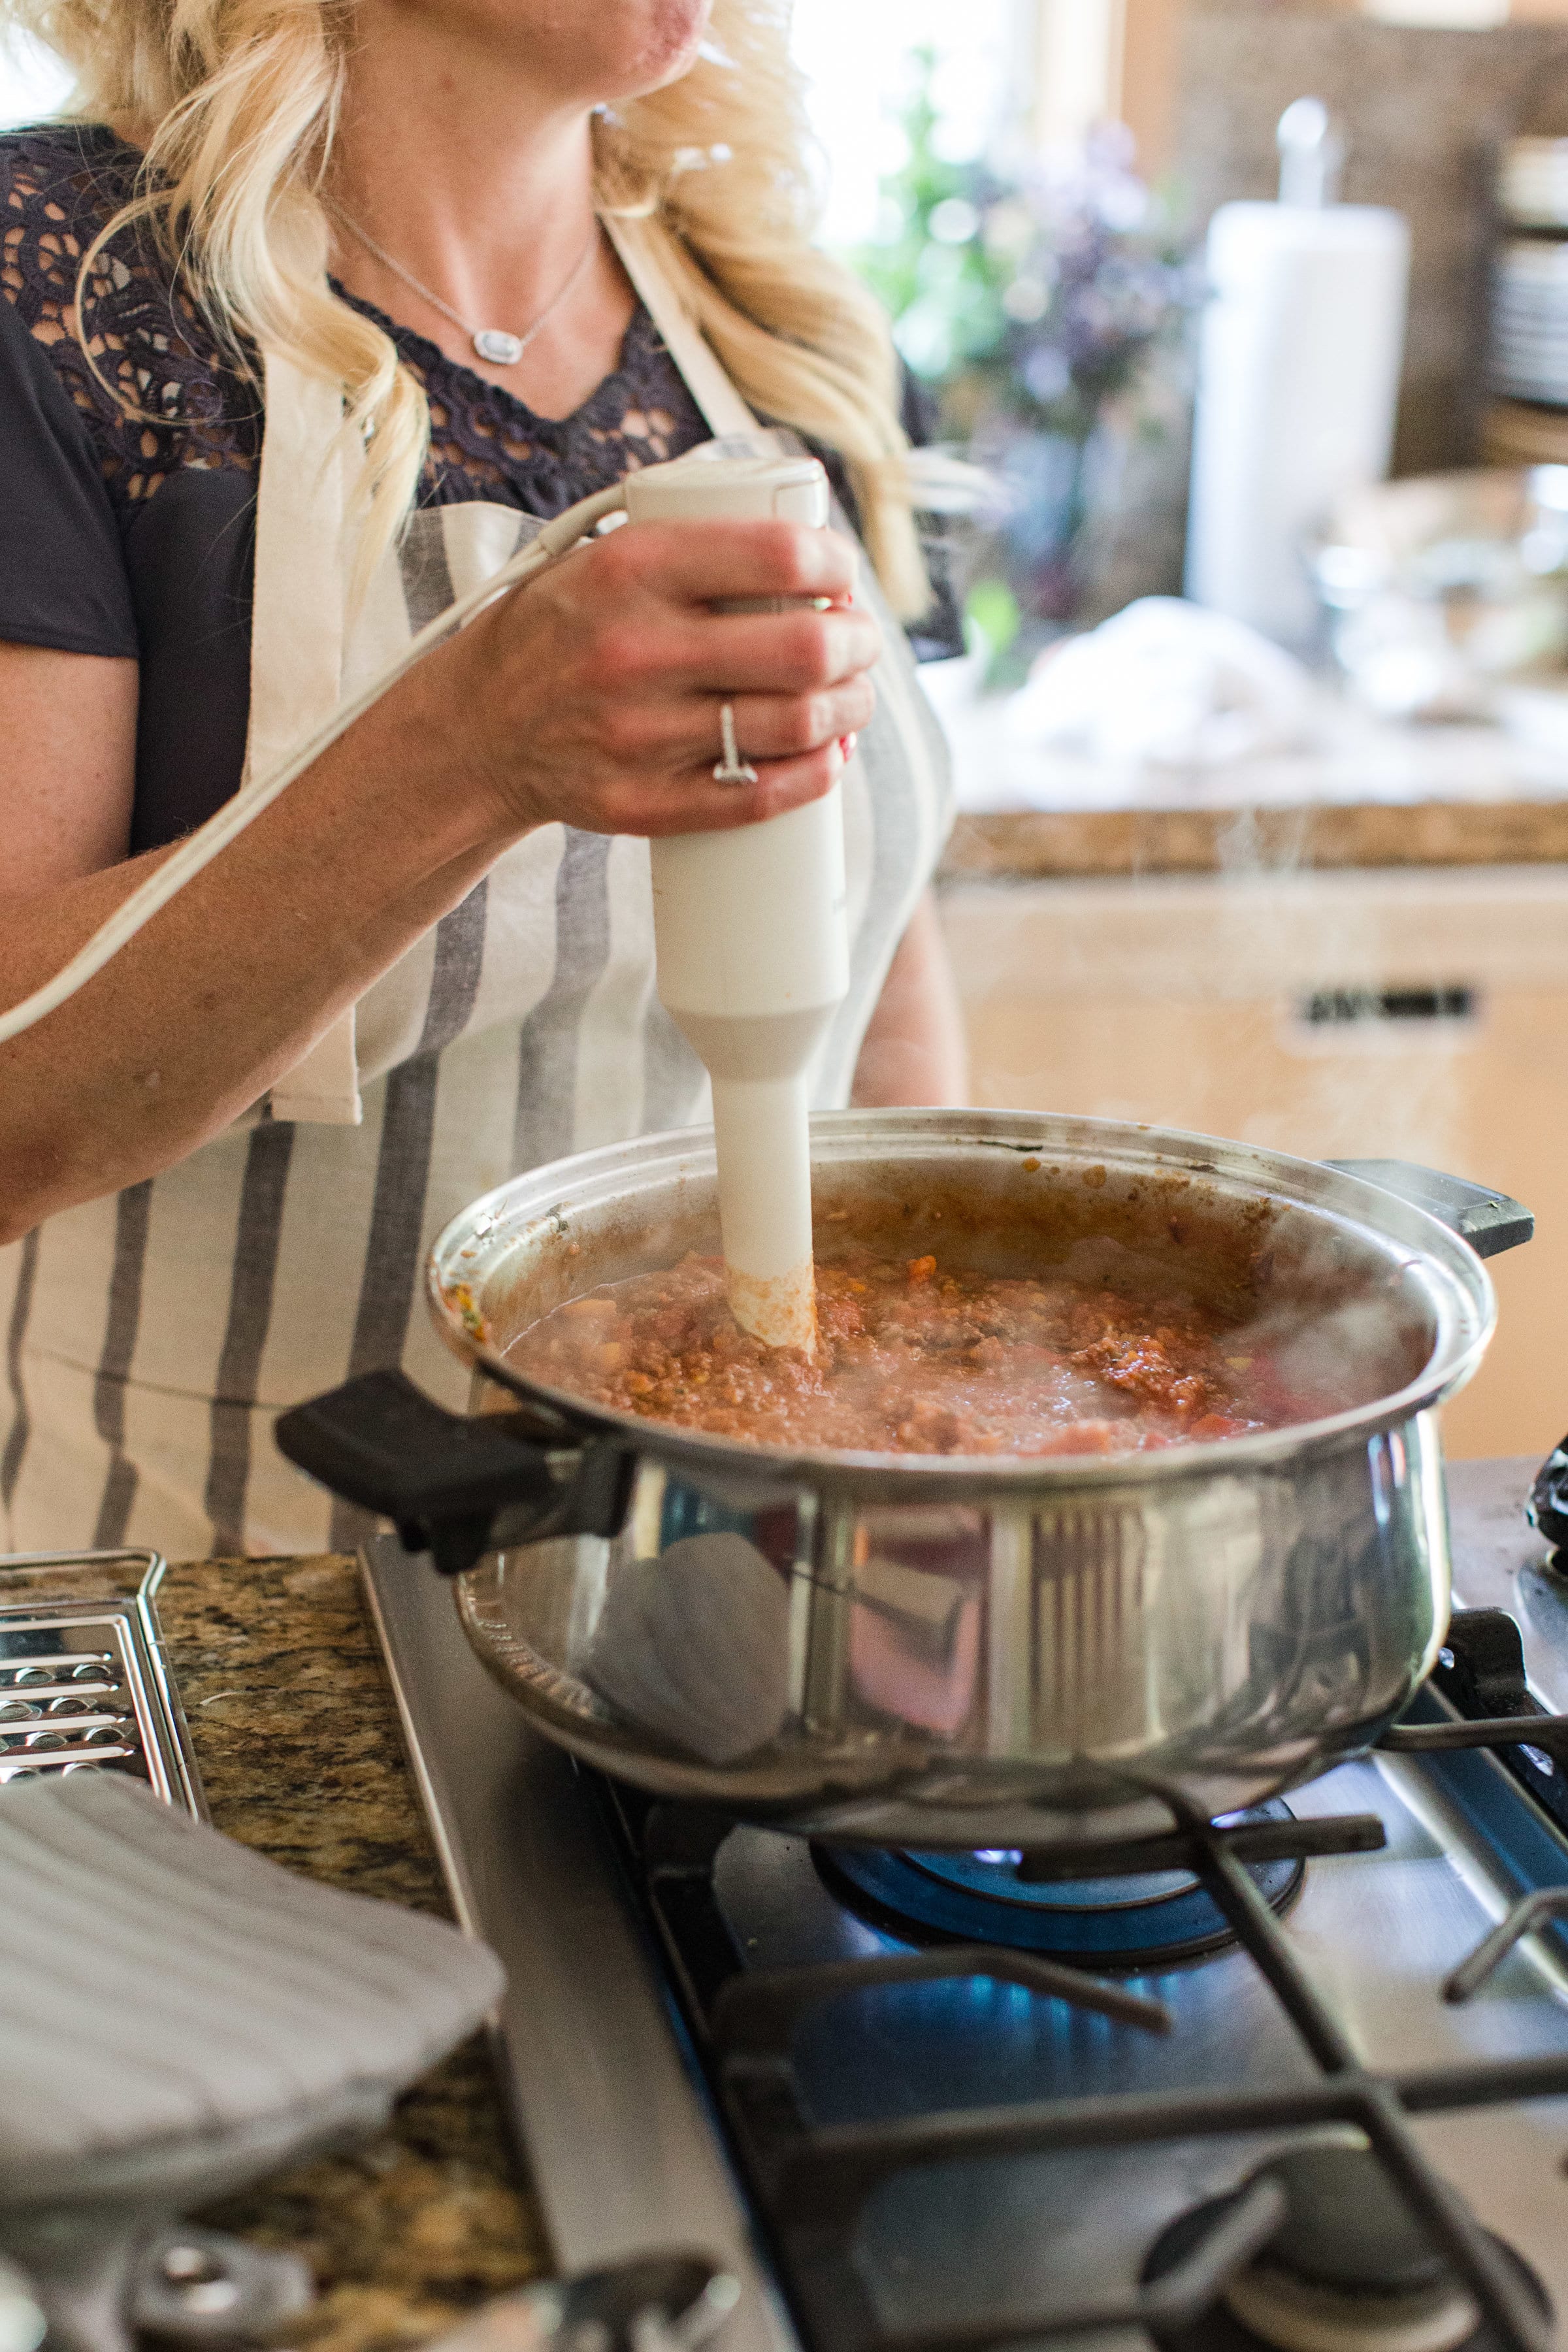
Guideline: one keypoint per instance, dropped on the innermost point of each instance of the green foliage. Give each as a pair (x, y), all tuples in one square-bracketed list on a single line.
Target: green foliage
[(1034, 295), (1028, 299), (941, 290), (993, 608)]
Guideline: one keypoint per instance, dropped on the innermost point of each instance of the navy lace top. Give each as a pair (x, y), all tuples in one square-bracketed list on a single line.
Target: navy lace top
[(131, 534)]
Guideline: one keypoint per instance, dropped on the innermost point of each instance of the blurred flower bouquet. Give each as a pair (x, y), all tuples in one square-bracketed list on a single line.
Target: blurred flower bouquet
[(1046, 308)]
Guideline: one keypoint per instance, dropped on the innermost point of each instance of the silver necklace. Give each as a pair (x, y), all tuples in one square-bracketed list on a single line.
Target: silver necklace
[(492, 343)]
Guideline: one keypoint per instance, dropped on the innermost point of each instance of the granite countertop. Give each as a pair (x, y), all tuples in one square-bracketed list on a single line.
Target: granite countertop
[(1362, 793), (298, 1745)]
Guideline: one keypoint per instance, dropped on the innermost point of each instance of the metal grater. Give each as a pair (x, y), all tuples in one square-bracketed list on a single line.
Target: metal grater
[(84, 1682)]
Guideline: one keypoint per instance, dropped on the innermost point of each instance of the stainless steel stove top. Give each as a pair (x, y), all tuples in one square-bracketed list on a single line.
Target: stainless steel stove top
[(617, 2115), (609, 2108)]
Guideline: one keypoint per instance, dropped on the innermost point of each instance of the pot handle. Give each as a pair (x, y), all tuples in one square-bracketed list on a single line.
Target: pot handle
[(456, 1485), (1490, 1221)]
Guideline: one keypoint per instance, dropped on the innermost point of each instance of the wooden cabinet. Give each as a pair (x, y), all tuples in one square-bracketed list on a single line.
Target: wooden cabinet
[(1419, 1015)]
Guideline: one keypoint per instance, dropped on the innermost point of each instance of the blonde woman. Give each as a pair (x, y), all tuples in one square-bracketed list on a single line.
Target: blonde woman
[(307, 314)]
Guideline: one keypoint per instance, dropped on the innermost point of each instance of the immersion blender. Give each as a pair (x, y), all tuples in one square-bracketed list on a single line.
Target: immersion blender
[(753, 949)]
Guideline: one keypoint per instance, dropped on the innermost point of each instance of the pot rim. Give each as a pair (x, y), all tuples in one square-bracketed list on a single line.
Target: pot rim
[(1458, 1287)]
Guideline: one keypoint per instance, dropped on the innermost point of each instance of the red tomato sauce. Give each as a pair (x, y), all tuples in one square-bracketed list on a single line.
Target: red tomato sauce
[(914, 1358)]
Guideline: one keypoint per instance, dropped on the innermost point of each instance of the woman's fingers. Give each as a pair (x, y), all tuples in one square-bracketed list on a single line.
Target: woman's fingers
[(699, 562), (783, 726), (593, 693), (695, 803), (796, 744), (727, 654), (767, 726), (777, 653), (675, 732)]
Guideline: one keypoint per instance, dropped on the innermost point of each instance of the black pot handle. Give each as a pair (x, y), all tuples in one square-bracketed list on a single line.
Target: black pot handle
[(456, 1485), (1490, 1221)]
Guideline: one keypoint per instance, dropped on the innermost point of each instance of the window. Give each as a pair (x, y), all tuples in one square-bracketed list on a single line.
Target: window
[(860, 59), (33, 83)]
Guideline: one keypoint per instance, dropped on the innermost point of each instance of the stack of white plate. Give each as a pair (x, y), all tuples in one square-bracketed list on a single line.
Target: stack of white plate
[(1530, 275), (1529, 319)]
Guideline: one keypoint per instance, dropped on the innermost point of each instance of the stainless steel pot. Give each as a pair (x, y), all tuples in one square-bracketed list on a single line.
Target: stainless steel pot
[(951, 1652)]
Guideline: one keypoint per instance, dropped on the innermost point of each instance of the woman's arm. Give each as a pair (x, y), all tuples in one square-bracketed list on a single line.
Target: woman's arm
[(68, 755), (914, 1051), (590, 695)]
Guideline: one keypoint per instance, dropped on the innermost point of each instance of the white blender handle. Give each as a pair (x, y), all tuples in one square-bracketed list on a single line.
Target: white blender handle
[(753, 951)]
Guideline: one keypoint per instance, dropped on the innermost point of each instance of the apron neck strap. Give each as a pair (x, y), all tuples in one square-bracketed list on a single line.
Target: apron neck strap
[(710, 387)]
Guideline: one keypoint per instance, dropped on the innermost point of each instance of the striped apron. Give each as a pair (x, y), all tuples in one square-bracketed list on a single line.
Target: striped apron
[(152, 1337)]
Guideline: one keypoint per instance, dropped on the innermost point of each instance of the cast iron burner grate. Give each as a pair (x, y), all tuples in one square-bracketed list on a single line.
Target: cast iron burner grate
[(1135, 1921), (1345, 2266), (813, 2180)]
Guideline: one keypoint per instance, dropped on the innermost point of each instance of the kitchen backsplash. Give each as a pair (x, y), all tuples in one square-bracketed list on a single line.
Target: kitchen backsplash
[(1425, 112)]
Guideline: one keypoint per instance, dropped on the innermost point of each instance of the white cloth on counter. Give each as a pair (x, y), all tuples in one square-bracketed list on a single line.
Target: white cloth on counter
[(1166, 684), (180, 2015)]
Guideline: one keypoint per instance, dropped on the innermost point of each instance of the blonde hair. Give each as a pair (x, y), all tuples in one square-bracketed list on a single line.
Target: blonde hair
[(235, 102)]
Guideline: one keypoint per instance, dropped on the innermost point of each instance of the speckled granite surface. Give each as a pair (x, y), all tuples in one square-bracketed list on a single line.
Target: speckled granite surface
[(297, 1742), (1019, 845), (1356, 791)]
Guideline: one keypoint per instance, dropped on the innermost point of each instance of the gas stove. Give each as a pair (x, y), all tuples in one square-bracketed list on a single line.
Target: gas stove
[(1219, 2089)]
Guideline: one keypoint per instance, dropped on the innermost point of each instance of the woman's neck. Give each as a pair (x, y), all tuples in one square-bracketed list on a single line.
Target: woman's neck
[(481, 187)]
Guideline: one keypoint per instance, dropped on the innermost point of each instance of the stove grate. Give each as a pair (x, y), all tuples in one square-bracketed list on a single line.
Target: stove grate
[(1530, 1912), (813, 2180), (1479, 1698)]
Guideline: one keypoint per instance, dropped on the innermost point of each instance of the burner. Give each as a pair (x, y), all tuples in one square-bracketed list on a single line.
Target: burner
[(1349, 2270), (1146, 1921)]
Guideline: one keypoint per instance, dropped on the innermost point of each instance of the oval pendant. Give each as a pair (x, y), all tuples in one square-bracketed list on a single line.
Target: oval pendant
[(501, 350)]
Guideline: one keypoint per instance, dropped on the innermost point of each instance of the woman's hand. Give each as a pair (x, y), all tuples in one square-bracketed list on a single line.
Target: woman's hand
[(591, 695)]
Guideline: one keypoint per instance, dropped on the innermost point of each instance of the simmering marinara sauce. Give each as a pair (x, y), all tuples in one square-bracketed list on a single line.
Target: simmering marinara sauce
[(914, 1357)]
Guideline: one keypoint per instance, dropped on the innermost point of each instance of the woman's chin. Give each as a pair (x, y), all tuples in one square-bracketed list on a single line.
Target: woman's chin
[(615, 50), (670, 33)]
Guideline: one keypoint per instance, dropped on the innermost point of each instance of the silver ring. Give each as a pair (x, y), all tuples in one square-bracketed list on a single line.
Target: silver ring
[(731, 769)]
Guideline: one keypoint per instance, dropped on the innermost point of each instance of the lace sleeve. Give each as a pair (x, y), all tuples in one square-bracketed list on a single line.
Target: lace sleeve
[(63, 578), (139, 365)]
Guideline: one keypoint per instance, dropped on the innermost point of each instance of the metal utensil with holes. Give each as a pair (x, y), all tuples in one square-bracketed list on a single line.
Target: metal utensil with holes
[(950, 1650), (84, 1686)]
